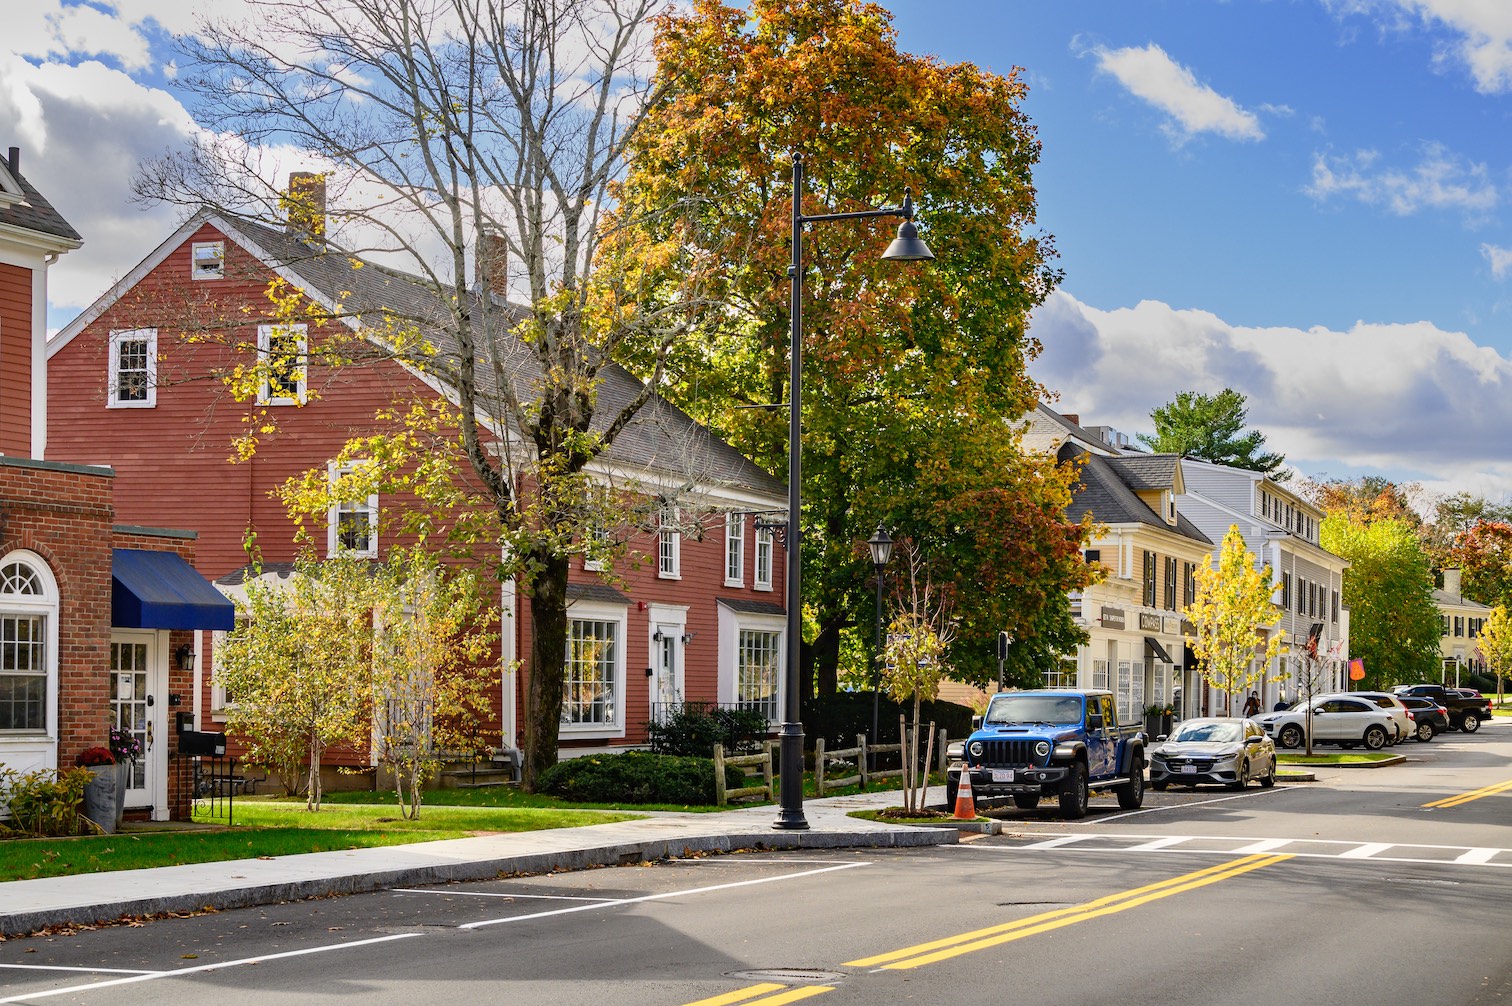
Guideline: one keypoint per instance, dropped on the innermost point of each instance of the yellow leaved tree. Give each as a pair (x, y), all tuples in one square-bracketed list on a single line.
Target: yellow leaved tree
[(917, 639), (1231, 615), (1495, 644)]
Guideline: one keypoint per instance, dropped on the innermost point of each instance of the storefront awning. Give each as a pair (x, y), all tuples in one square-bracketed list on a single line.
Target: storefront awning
[(1158, 650), (159, 590)]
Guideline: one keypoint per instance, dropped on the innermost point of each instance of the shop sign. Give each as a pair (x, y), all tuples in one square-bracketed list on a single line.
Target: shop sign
[(1112, 618)]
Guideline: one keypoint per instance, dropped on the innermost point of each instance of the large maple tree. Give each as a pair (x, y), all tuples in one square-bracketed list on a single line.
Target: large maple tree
[(913, 376)]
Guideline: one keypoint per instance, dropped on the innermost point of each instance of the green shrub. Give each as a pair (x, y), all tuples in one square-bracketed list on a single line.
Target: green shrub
[(44, 803), (636, 777), (694, 729)]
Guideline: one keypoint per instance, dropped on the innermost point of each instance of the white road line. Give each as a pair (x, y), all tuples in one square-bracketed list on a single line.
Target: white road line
[(1159, 843), (1367, 850), (151, 975), (1267, 845), (496, 894), (88, 971), (1477, 856), (658, 897), (1056, 843)]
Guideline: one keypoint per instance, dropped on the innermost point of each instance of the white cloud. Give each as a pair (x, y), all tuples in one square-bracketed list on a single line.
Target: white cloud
[(1373, 398), (1440, 180), (1153, 76), (1500, 259), (1480, 32)]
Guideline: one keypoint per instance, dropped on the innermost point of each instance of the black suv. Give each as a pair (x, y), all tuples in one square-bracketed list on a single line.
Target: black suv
[(1466, 713), (1428, 717)]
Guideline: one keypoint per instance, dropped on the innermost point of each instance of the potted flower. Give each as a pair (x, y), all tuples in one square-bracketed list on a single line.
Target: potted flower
[(103, 794), (1158, 718), (127, 749)]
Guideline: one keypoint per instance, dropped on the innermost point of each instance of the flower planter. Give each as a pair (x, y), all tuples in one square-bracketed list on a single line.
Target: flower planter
[(104, 797)]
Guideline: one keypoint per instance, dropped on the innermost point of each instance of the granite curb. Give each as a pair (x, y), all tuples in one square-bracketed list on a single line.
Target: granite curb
[(615, 854)]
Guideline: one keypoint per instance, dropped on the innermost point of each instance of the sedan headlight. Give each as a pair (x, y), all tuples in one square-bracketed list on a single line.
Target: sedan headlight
[(976, 749)]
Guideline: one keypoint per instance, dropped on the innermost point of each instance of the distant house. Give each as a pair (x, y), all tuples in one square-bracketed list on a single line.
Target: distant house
[(1461, 620), (699, 618), (96, 617)]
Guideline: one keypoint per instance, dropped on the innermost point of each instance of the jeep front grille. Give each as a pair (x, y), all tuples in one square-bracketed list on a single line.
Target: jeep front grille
[(1007, 754)]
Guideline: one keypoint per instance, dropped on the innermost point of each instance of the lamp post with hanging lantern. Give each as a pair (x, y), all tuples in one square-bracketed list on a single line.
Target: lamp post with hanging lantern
[(906, 247)]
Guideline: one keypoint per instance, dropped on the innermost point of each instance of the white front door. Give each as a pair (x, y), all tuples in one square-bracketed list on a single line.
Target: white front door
[(666, 651), (138, 706)]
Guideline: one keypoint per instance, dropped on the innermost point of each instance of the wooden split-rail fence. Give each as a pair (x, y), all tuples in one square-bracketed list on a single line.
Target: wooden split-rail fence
[(860, 758)]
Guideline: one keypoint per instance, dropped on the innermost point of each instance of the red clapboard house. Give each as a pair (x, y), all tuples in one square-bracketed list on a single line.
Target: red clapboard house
[(698, 619), (92, 612)]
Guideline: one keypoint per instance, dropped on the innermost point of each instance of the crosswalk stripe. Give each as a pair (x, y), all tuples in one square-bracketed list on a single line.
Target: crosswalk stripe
[(1159, 843), (1365, 851), (1476, 856), (1267, 845)]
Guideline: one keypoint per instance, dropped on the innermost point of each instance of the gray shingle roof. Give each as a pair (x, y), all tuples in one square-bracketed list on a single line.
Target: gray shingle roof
[(35, 213), (1104, 492), (660, 438), (1147, 471)]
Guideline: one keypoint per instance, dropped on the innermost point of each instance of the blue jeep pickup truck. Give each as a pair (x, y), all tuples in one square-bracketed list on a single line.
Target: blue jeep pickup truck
[(1065, 743)]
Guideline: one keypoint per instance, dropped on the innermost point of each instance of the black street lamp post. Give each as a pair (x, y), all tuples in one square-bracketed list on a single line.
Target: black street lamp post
[(906, 247), (881, 545)]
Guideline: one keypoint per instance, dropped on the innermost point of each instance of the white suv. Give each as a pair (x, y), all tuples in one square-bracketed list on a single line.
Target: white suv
[(1401, 716)]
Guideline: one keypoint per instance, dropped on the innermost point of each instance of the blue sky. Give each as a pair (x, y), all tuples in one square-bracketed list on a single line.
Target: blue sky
[(1306, 200)]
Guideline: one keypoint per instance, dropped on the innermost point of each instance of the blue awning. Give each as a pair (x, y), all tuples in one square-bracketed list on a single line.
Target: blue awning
[(159, 590)]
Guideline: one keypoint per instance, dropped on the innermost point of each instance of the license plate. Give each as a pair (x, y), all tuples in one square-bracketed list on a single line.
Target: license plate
[(1189, 770), (1002, 775)]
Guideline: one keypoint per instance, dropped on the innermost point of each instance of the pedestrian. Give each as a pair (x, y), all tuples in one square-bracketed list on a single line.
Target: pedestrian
[(1252, 704)]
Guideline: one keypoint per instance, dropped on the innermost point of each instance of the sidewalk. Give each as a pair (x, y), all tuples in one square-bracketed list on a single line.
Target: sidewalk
[(28, 905)]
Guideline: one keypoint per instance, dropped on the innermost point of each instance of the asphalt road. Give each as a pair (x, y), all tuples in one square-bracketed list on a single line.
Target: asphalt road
[(1370, 886)]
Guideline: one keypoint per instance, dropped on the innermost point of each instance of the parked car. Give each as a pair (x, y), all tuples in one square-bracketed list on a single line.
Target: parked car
[(1226, 750), (1428, 717), (1468, 709), (1336, 719), (1391, 703)]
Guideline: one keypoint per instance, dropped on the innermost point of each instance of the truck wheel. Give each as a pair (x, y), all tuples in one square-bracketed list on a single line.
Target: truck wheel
[(1073, 793), (1131, 793), (1425, 731), (1375, 737), (1471, 723), (1026, 801), (1291, 736)]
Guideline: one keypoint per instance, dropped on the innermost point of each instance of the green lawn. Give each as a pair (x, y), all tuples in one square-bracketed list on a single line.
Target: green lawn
[(1336, 758), (267, 828)]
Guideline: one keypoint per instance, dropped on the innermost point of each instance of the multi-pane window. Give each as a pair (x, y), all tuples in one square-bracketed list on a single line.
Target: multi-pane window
[(763, 569), (668, 543), (1443, 625), (588, 687), (1335, 611), (601, 539), (1285, 591), (1100, 674), (133, 369), (1459, 625), (1170, 583), (1149, 579), (1189, 583), (23, 652), (283, 352), (734, 548), (1301, 596), (758, 658), (353, 523)]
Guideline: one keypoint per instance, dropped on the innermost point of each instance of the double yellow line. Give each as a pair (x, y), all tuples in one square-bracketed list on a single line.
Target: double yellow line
[(784, 995), (1474, 794), (981, 939)]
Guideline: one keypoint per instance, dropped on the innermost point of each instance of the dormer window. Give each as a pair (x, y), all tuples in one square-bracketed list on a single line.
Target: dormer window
[(207, 260), (1168, 505)]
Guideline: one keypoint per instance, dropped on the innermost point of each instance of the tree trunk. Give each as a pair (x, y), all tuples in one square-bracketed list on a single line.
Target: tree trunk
[(827, 655), (548, 663)]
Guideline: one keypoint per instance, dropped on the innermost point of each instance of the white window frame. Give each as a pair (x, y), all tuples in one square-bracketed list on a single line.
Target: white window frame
[(731, 622), (668, 543), (601, 611), (218, 704), (265, 335), (335, 473), (201, 254), (734, 555), (113, 387), (602, 535), (23, 749), (766, 553)]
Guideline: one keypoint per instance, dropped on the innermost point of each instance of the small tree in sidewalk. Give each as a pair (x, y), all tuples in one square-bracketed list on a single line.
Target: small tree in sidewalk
[(1495, 645), (917, 638), (1232, 616)]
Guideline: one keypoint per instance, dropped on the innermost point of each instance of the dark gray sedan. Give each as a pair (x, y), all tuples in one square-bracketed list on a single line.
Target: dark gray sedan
[(1225, 750)]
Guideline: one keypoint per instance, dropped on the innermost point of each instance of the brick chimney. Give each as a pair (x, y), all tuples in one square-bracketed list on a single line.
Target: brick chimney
[(493, 262), (305, 207), (1071, 418)]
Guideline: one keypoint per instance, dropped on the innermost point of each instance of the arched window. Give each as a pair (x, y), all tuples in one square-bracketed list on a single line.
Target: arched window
[(28, 633)]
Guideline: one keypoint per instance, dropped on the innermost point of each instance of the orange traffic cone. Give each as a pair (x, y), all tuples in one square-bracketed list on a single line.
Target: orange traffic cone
[(965, 808)]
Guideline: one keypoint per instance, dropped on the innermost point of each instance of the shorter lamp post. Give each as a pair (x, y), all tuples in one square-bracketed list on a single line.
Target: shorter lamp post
[(881, 545)]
